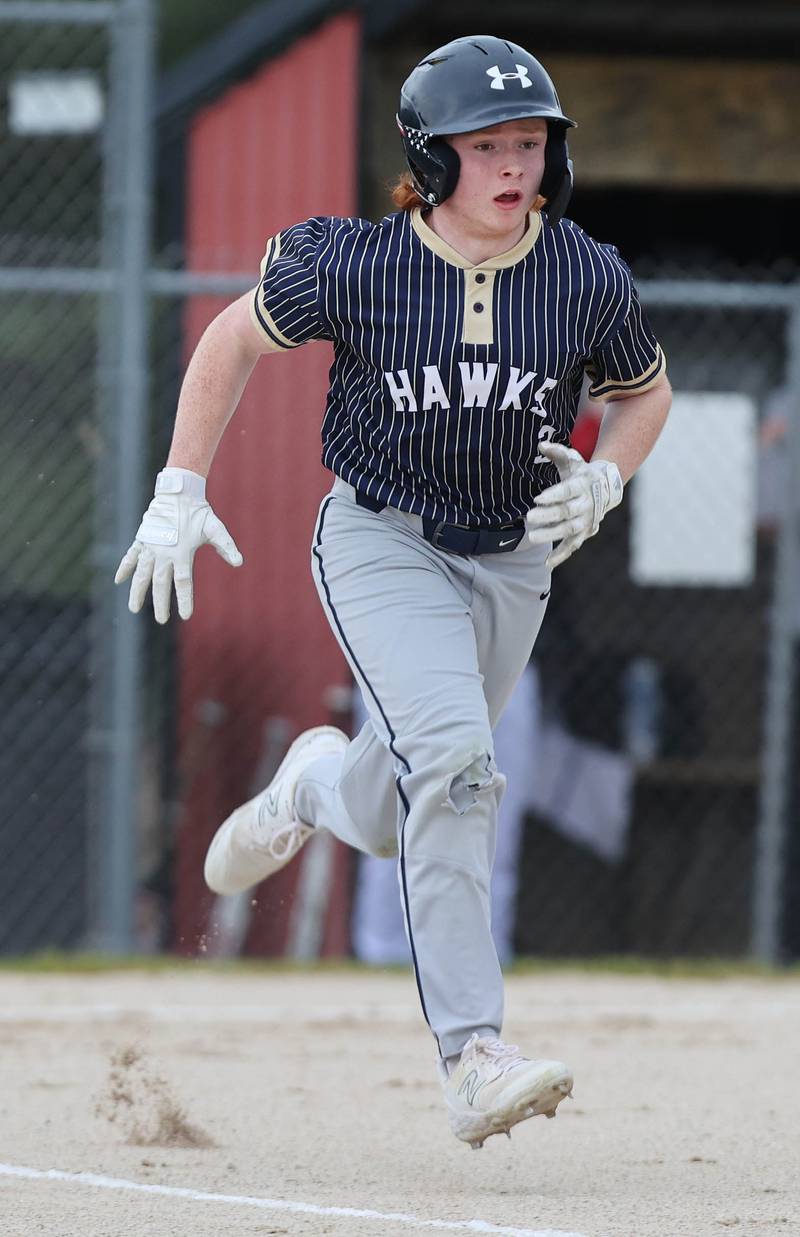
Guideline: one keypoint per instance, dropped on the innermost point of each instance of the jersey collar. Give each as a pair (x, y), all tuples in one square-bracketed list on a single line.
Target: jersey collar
[(440, 247)]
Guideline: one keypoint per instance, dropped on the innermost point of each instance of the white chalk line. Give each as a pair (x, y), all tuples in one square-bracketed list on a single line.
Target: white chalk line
[(274, 1204)]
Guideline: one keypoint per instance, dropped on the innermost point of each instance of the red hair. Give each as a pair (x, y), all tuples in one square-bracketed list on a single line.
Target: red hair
[(405, 196)]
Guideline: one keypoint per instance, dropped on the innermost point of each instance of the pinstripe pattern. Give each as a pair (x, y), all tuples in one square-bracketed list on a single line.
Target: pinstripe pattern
[(418, 418)]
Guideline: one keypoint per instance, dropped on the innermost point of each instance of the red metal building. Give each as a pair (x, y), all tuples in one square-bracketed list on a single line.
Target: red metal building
[(272, 149)]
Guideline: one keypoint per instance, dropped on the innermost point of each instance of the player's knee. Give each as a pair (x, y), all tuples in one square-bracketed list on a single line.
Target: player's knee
[(475, 777)]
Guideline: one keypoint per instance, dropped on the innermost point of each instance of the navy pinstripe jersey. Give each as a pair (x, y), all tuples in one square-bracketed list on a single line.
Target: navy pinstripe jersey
[(446, 374)]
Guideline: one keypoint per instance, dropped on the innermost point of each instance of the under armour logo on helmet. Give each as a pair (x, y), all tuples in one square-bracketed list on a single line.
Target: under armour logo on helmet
[(499, 78)]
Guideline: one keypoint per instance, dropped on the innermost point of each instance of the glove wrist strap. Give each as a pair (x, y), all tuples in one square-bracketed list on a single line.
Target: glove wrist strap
[(606, 491), (181, 481), (613, 483)]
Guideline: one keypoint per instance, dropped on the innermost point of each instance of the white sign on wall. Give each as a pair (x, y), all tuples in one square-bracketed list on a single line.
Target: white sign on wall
[(693, 502), (44, 103)]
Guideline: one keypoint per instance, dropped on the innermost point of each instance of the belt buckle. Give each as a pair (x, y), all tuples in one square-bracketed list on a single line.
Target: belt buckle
[(437, 532)]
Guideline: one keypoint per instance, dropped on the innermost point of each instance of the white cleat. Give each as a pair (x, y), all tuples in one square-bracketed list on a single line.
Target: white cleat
[(261, 836), (493, 1087)]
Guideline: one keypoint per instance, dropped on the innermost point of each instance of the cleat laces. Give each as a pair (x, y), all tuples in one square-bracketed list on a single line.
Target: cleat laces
[(504, 1056)]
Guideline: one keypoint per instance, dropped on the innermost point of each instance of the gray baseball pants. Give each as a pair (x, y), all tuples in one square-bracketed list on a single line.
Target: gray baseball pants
[(437, 642)]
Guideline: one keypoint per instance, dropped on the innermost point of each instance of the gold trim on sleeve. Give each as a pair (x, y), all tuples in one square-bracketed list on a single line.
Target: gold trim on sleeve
[(259, 314), (624, 388), (264, 323)]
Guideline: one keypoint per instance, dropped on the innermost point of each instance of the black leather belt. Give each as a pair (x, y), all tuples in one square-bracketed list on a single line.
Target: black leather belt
[(458, 538)]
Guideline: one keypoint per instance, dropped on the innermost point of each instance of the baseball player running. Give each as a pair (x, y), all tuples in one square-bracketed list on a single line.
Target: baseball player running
[(462, 325)]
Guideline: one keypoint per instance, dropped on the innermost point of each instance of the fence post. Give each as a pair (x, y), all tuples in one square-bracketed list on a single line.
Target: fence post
[(128, 215), (776, 763)]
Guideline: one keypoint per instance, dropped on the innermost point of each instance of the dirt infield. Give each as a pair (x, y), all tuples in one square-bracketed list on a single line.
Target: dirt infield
[(196, 1102)]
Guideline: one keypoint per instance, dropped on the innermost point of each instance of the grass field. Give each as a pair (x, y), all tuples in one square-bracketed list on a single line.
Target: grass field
[(161, 1099)]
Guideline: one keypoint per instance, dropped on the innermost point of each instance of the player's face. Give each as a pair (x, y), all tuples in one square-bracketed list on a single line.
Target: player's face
[(501, 171)]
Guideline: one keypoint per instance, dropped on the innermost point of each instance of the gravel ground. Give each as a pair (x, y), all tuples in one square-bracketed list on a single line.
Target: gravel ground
[(319, 1089)]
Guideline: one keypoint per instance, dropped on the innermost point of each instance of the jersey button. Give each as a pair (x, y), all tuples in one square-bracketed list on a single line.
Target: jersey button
[(480, 277), (478, 307)]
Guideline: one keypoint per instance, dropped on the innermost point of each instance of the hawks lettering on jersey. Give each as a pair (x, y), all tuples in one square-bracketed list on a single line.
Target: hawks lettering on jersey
[(477, 382), (447, 375)]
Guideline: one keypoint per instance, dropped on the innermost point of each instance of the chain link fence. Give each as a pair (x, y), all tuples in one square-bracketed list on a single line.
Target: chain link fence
[(684, 681), (74, 79), (53, 82), (679, 666)]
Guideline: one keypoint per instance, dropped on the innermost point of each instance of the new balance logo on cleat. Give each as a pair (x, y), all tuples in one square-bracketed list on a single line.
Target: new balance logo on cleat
[(471, 1086)]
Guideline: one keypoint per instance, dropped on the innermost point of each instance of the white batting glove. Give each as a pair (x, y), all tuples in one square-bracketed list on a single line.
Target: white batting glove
[(571, 511), (174, 526)]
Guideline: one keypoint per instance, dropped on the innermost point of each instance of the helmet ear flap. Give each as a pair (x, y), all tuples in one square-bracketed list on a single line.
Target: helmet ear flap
[(556, 183), (451, 166), (434, 169), (557, 200)]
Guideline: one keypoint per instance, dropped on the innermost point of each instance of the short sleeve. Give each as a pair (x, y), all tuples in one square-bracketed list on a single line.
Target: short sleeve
[(285, 307), (629, 360)]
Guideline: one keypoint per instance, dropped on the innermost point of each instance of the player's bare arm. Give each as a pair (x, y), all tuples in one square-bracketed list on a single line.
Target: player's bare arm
[(631, 425), (212, 387), (179, 519)]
